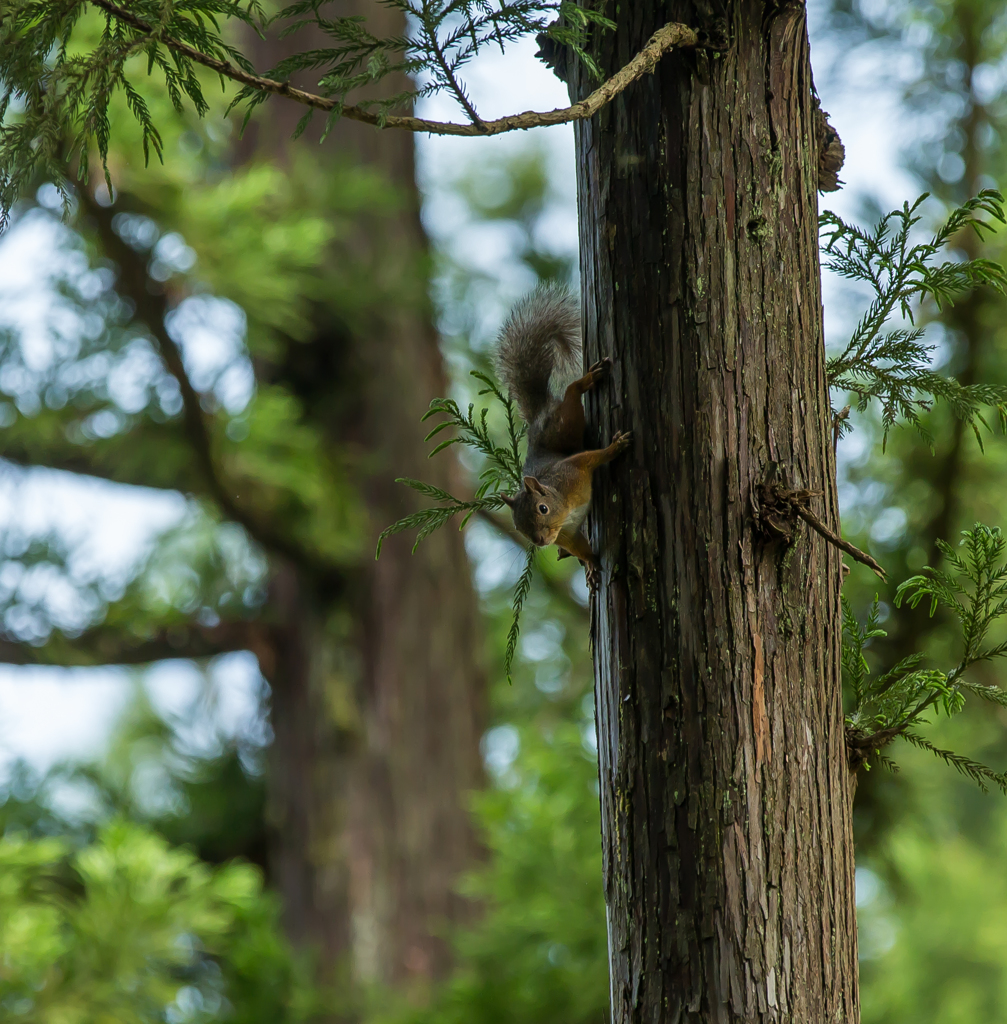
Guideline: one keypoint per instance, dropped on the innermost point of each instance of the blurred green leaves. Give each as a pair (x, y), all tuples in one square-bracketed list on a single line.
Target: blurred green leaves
[(539, 955), (129, 929)]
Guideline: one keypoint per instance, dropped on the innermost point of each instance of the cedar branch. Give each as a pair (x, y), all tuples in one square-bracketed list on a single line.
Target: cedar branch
[(664, 39)]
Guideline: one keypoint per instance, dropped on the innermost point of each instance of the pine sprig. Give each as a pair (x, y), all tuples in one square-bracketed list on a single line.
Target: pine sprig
[(974, 589), (979, 773), (894, 367), (56, 84), (500, 474), (427, 520), (54, 99), (502, 469), (884, 704), (443, 37), (521, 591)]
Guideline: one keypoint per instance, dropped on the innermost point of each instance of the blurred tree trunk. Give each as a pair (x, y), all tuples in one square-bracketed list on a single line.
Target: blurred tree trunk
[(726, 821), (378, 694)]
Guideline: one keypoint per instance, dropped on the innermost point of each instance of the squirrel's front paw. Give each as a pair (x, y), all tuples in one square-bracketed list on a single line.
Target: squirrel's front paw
[(622, 440)]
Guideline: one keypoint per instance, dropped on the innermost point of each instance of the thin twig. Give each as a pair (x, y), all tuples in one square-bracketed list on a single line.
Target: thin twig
[(671, 35), (833, 538)]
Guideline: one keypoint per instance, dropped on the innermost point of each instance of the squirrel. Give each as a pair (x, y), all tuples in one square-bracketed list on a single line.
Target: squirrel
[(541, 341)]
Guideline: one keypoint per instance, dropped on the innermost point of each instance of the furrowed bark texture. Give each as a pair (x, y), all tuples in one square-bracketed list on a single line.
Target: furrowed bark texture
[(725, 799)]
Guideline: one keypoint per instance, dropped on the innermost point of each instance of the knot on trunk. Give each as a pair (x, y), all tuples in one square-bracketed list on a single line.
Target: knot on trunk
[(554, 54), (777, 507), (861, 746), (831, 152)]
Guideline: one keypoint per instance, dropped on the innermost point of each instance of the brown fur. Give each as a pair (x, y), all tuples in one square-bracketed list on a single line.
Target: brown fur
[(557, 469)]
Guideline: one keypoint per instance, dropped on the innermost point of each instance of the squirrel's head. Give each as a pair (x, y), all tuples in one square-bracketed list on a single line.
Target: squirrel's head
[(539, 511)]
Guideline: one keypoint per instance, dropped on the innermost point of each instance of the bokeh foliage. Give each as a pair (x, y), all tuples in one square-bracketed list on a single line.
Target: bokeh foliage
[(128, 928), (541, 887)]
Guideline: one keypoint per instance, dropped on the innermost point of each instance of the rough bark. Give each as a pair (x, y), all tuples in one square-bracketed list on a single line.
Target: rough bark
[(726, 820), (378, 700)]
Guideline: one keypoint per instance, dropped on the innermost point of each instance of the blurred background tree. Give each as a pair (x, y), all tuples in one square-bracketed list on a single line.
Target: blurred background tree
[(308, 275)]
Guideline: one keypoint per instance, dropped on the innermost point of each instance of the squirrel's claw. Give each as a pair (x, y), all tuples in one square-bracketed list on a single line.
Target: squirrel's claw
[(593, 578), (600, 369), (622, 439), (592, 573)]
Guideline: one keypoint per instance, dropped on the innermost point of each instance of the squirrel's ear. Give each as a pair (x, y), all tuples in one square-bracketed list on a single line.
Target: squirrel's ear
[(533, 485), (508, 500)]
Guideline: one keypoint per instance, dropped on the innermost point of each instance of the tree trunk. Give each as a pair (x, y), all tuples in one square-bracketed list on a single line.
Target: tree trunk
[(726, 822), (379, 697)]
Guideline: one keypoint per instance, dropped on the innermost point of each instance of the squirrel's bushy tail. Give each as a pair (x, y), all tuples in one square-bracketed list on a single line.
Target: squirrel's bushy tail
[(540, 339)]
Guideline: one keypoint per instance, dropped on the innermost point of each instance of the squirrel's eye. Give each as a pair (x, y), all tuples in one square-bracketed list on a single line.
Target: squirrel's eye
[(544, 509)]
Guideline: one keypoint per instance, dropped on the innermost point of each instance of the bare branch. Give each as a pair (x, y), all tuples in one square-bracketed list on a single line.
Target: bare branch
[(151, 309), (106, 645), (774, 507), (664, 39), (833, 538)]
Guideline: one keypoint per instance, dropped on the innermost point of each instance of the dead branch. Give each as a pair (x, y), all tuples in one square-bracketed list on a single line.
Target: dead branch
[(775, 507), (664, 39)]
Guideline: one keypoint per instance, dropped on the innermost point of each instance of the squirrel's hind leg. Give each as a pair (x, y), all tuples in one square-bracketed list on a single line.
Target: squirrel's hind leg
[(576, 544), (565, 432)]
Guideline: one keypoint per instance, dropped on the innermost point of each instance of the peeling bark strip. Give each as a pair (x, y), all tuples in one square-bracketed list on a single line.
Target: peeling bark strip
[(725, 796), (831, 152)]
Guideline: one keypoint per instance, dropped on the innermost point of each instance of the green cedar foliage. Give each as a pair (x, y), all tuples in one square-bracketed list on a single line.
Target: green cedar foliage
[(974, 589), (59, 71), (128, 929), (894, 366)]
